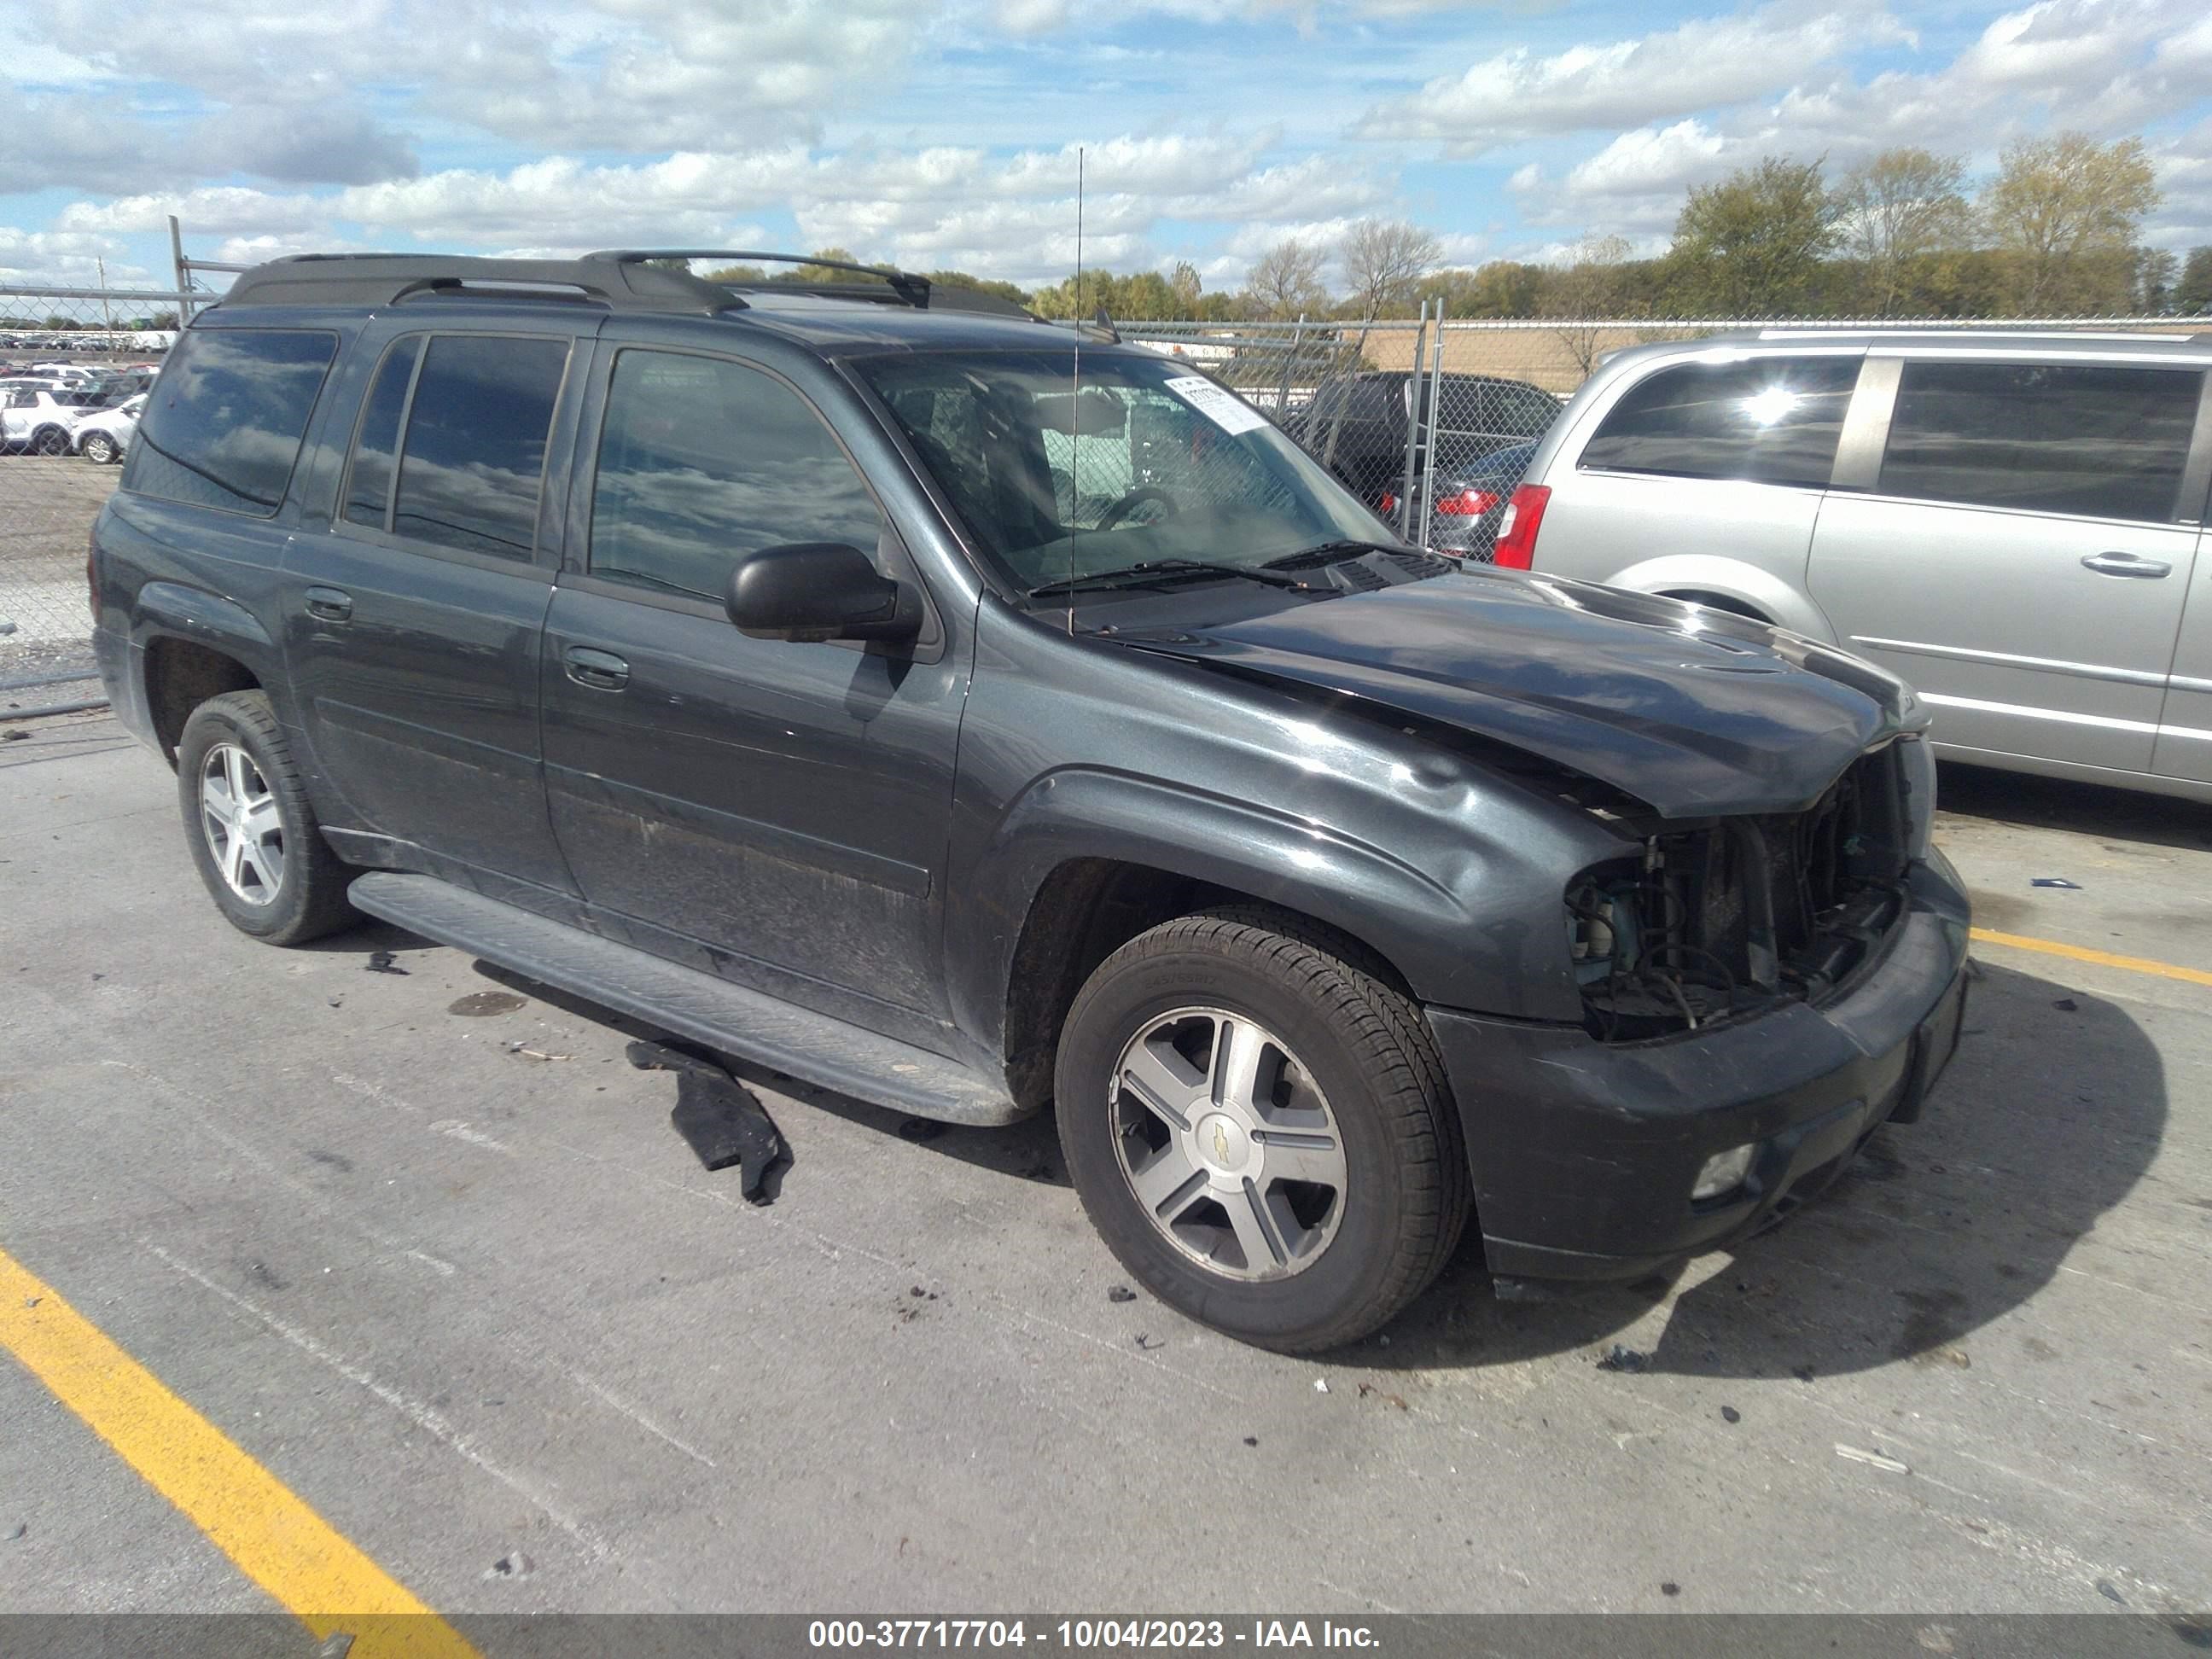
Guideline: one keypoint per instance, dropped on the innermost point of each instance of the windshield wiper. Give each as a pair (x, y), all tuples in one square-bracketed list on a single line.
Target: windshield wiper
[(1328, 553), (1136, 575)]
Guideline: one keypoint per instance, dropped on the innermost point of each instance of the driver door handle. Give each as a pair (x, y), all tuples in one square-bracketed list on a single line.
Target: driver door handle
[(328, 604), (602, 671), (2125, 564)]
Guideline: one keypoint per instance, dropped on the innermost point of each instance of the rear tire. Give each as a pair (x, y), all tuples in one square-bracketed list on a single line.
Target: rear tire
[(1297, 1199), (251, 831), (50, 440)]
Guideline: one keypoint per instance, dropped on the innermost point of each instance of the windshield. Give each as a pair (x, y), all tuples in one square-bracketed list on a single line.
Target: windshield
[(1147, 463)]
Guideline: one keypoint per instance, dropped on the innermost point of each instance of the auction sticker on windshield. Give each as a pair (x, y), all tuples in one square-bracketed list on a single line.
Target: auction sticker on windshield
[(1216, 405)]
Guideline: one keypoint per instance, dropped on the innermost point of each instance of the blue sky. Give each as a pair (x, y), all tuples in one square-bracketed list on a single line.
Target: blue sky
[(944, 131)]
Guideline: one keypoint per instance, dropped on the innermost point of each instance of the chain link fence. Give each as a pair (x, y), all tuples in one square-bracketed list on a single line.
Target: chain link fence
[(69, 359)]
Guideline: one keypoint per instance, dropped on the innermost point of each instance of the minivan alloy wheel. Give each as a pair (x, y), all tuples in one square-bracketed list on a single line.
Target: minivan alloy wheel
[(244, 829), (1228, 1144)]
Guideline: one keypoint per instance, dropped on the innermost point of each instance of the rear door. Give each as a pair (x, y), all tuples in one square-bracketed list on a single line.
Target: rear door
[(1705, 476), (2017, 551), (416, 599), (774, 811), (2183, 748)]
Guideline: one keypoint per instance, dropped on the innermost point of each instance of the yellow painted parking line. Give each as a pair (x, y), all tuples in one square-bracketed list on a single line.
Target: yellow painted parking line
[(251, 1515), (2051, 947)]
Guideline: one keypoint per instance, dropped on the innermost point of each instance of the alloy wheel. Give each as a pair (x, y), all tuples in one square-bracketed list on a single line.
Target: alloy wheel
[(1229, 1144), (245, 831)]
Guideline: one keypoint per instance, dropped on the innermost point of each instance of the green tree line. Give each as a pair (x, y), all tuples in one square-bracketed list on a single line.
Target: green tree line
[(2056, 231)]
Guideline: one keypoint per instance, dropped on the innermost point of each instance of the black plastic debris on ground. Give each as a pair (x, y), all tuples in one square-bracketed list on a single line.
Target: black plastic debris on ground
[(1120, 1293), (1622, 1359), (920, 1130), (720, 1119), (381, 962), (2055, 881)]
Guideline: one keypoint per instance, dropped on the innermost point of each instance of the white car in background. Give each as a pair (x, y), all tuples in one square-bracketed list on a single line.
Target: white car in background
[(35, 417), (103, 436)]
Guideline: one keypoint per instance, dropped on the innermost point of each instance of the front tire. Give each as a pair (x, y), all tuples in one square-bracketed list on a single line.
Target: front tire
[(251, 831), (50, 440), (1259, 1128), (101, 449)]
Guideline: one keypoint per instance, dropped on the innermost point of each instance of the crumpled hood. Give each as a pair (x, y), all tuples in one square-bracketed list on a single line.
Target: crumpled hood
[(1692, 711)]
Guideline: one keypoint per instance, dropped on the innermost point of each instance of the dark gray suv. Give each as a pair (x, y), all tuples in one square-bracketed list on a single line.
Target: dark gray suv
[(969, 715)]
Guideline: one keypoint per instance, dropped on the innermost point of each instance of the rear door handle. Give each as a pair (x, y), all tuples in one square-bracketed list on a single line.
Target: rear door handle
[(602, 671), (330, 604), (2125, 564)]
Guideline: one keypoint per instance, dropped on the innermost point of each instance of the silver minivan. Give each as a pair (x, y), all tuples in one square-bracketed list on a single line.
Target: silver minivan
[(2013, 522)]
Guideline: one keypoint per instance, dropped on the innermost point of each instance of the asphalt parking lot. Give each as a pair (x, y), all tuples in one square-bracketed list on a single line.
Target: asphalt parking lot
[(448, 1276)]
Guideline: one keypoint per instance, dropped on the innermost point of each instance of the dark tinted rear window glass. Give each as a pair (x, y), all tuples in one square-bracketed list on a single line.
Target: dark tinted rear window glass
[(224, 427), (2054, 438), (368, 481), (1773, 419), (475, 456)]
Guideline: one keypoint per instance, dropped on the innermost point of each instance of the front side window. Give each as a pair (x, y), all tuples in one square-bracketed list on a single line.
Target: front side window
[(224, 426), (1770, 420), (474, 459), (2095, 439), (702, 461), (1141, 461)]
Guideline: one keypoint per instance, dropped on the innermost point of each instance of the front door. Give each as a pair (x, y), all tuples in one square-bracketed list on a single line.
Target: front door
[(2021, 557), (414, 609), (774, 811)]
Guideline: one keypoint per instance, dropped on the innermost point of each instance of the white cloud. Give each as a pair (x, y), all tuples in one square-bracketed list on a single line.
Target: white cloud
[(1697, 65)]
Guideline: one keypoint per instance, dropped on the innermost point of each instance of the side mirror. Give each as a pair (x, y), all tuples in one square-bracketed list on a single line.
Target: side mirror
[(814, 591)]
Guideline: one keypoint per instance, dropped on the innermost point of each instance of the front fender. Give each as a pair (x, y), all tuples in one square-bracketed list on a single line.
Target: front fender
[(1463, 922), (1729, 578)]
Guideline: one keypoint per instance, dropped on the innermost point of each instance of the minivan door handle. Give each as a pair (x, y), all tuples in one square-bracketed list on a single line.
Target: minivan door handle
[(2125, 564), (330, 604), (602, 671)]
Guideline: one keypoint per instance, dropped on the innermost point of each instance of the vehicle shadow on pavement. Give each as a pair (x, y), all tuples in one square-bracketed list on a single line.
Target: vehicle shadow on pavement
[(2048, 1118), (2082, 809)]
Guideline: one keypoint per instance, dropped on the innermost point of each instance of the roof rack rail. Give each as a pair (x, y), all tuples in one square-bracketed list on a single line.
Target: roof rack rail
[(384, 279), (912, 290), (905, 287)]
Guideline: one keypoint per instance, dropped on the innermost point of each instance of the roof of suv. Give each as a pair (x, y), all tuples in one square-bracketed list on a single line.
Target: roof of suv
[(2155, 342), (889, 309)]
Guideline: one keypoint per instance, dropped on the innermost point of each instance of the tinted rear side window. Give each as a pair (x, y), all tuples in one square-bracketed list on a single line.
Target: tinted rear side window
[(368, 480), (224, 427), (1772, 420), (2104, 440), (475, 455)]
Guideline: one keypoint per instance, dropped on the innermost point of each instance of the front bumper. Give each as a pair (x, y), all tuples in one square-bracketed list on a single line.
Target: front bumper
[(1583, 1153)]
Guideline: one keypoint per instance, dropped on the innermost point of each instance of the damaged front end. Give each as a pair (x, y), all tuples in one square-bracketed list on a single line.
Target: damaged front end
[(1709, 921)]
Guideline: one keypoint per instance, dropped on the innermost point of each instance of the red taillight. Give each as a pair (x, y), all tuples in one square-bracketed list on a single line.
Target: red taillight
[(1388, 504), (1516, 530), (1468, 503)]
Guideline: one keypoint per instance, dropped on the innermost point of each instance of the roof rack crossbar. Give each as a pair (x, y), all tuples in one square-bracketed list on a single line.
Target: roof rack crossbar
[(914, 289)]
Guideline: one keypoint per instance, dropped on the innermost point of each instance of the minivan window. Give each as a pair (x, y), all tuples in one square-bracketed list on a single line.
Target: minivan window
[(1771, 420), (2103, 439), (225, 426), (475, 455), (702, 460), (369, 477)]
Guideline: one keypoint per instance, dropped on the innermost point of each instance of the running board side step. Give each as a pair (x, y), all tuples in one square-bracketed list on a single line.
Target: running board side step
[(827, 1052)]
